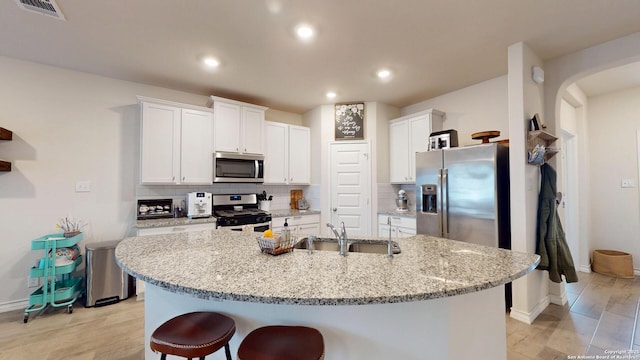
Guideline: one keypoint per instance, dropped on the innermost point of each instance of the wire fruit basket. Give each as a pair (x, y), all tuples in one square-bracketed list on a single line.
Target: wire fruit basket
[(276, 245)]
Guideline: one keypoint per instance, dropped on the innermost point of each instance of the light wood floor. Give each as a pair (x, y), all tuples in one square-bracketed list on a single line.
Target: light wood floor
[(601, 315)]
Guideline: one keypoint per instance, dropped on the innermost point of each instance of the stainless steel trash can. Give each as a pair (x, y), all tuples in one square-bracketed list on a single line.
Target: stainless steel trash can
[(106, 282)]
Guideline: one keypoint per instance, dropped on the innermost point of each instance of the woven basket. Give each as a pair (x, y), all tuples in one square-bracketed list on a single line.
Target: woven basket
[(612, 263)]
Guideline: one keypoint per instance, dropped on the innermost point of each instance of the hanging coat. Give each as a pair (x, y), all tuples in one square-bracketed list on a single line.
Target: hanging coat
[(552, 246)]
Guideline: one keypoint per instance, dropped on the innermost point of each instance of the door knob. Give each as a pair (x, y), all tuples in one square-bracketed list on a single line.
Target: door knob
[(335, 209)]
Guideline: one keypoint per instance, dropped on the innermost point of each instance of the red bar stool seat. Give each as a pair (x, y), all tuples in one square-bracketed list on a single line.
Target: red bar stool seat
[(282, 343), (195, 334)]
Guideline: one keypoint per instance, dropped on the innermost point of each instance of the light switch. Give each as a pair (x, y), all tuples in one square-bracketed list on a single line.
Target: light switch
[(627, 183), (83, 186)]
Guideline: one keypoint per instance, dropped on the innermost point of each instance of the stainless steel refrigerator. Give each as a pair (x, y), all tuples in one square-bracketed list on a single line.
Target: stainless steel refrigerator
[(463, 194)]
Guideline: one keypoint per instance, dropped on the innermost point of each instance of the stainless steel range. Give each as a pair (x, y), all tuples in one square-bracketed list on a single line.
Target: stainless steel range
[(240, 210)]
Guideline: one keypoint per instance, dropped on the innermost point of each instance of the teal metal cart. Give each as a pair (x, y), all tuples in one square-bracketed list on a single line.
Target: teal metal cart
[(58, 288)]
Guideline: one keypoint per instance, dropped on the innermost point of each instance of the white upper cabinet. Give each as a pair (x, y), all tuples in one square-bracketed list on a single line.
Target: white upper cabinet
[(276, 153), (238, 126), (227, 127), (196, 159), (299, 155), (407, 136), (287, 154), (159, 144), (176, 143)]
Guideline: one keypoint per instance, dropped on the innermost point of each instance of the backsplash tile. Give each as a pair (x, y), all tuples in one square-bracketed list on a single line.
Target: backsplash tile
[(387, 194), (281, 193)]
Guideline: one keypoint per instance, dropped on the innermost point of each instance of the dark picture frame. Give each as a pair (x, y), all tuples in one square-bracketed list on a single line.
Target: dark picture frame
[(349, 124)]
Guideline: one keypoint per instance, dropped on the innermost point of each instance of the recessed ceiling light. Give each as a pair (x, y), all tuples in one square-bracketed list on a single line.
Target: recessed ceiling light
[(383, 73), (331, 95), (211, 62), (304, 32)]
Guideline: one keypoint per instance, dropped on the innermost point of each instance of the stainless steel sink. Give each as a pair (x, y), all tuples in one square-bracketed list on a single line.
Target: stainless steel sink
[(355, 245), (374, 247), (324, 244)]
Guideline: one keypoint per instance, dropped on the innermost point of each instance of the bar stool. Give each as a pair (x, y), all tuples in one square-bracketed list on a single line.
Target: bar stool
[(195, 334), (282, 343)]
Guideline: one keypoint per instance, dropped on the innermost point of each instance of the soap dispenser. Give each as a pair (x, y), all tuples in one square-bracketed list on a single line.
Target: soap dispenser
[(286, 234)]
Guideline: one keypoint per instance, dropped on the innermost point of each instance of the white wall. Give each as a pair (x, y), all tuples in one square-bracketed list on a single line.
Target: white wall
[(284, 117), (530, 293), (476, 108), (581, 208), (69, 126), (614, 120), (560, 74)]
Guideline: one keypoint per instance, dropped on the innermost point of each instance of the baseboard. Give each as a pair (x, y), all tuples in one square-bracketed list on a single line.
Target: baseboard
[(14, 305), (558, 300), (585, 269), (529, 317)]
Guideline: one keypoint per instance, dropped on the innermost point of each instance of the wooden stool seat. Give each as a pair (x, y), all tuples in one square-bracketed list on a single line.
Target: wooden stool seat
[(195, 334), (282, 343)]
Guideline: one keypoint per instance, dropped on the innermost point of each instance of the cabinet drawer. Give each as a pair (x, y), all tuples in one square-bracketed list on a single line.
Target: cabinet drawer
[(296, 220), (175, 229), (402, 221)]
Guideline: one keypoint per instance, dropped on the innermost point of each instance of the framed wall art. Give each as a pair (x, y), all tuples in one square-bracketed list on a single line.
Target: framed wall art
[(349, 123)]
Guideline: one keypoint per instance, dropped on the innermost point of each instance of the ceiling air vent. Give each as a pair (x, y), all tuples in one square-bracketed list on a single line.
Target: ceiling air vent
[(46, 7)]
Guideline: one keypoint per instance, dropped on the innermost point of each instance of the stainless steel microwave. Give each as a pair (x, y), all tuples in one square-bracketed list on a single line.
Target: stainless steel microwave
[(233, 168)]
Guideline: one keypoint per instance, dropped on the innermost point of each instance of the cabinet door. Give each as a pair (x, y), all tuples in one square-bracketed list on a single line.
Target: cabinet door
[(383, 231), (399, 152), (252, 131), (405, 232), (196, 160), (309, 229), (276, 160), (419, 132), (299, 155), (227, 127), (160, 144)]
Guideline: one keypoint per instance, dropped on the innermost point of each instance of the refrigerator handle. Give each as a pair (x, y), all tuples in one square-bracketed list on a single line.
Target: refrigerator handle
[(439, 203), (444, 196)]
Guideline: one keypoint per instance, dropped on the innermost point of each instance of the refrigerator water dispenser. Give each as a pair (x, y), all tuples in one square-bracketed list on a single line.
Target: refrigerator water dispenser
[(430, 198)]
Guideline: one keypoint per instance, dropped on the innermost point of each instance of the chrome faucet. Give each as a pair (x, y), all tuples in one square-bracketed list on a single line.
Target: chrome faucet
[(341, 237)]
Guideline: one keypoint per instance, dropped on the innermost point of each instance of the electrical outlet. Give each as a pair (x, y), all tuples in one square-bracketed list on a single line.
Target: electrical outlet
[(83, 186), (33, 282), (627, 183)]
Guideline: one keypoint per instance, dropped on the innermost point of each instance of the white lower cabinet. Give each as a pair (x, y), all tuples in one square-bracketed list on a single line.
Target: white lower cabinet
[(304, 224), (401, 226), (168, 230)]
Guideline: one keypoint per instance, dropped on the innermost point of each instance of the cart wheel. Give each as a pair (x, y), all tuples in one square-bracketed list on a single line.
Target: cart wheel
[(26, 318), (70, 309)]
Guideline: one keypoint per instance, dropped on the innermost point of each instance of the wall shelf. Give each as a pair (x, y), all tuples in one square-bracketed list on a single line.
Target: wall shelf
[(5, 135), (545, 139)]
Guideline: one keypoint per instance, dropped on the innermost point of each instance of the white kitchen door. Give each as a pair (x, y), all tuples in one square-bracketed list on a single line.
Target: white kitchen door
[(350, 184)]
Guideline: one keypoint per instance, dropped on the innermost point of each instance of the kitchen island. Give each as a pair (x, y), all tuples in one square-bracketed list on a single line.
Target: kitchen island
[(438, 298)]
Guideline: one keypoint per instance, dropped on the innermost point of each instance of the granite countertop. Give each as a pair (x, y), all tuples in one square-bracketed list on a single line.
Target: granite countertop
[(221, 264), (392, 212), (292, 212), (142, 224)]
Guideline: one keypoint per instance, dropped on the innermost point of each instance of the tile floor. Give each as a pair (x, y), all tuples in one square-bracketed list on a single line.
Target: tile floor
[(601, 316)]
